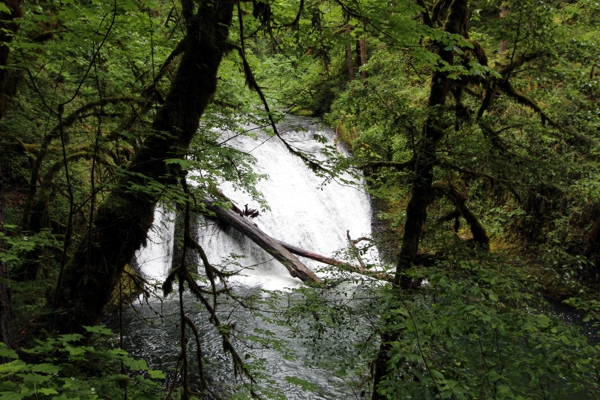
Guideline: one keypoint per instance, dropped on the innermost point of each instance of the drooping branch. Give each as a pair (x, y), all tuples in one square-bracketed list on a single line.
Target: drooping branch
[(452, 215), (503, 83), (510, 91), (296, 21), (253, 85), (148, 96), (29, 149), (479, 174)]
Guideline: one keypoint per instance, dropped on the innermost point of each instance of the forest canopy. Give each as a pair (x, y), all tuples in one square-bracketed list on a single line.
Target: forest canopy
[(475, 124)]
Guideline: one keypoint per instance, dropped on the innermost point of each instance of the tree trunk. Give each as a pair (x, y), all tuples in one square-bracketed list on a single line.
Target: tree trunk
[(190, 258), (336, 263), (123, 220), (425, 160), (433, 132), (6, 328), (8, 81), (349, 52), (363, 56)]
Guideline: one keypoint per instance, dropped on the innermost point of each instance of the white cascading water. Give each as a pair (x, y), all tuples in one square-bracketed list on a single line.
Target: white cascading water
[(154, 260), (303, 212)]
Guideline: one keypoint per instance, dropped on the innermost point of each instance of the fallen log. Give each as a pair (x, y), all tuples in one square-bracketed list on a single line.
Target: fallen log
[(295, 267), (336, 263), (314, 256), (235, 218)]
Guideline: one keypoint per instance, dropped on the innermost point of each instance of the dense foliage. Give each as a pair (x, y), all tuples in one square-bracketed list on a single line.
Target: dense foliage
[(475, 123)]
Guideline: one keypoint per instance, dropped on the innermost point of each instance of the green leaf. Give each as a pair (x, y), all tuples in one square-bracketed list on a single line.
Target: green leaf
[(305, 385), (156, 374), (543, 321), (73, 337), (6, 352), (437, 374), (46, 368), (12, 396), (493, 376), (35, 378), (48, 391), (132, 363), (12, 367), (100, 329), (185, 164), (76, 350)]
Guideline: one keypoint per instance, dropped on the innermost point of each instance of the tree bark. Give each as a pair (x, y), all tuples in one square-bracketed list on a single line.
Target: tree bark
[(295, 267), (6, 327), (8, 81), (123, 220), (363, 56), (349, 52), (190, 258), (316, 257)]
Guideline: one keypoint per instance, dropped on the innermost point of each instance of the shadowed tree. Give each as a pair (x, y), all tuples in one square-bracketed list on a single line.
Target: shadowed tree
[(123, 220)]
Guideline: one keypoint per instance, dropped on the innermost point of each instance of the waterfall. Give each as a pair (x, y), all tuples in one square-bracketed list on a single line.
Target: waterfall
[(303, 212)]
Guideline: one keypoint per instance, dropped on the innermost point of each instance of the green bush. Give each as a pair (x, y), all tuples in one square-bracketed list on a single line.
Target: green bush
[(75, 367)]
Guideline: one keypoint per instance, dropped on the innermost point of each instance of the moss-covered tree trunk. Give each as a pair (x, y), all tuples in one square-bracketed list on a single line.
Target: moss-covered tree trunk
[(6, 324), (433, 132), (425, 160), (349, 52), (8, 81), (123, 220)]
